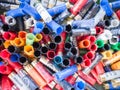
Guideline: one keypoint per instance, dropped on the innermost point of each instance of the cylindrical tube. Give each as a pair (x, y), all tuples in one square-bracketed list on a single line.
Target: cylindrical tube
[(79, 60), (23, 60), (65, 73), (36, 45), (5, 27), (114, 40), (92, 47), (5, 69), (46, 30), (14, 57), (116, 66), (57, 9), (29, 23), (86, 63), (89, 55), (99, 43), (113, 59), (71, 79), (18, 81), (29, 50), (78, 6), (67, 46), (116, 46), (107, 23), (77, 32), (80, 85), (13, 49), (56, 28), (115, 4), (6, 83), (73, 1), (10, 20), (95, 75), (27, 80), (97, 18), (42, 11), (109, 75), (62, 16), (35, 76), (29, 10), (60, 48), (118, 14), (87, 78), (88, 86), (92, 12), (50, 54), (15, 12), (99, 68), (65, 62), (38, 37), (22, 34), (57, 39), (106, 47), (85, 10), (37, 53), (68, 28), (78, 24), (107, 54), (9, 35), (99, 30), (42, 71), (52, 46), (58, 59), (19, 42), (84, 43), (30, 38), (43, 50), (4, 54), (63, 36), (38, 27)]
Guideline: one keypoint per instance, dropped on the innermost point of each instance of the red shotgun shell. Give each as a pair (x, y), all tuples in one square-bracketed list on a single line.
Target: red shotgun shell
[(6, 69), (95, 75), (9, 35), (71, 80), (118, 13), (78, 6), (6, 83), (87, 78)]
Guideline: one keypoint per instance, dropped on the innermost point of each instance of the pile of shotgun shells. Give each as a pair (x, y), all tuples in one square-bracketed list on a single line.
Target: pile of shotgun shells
[(59, 45)]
